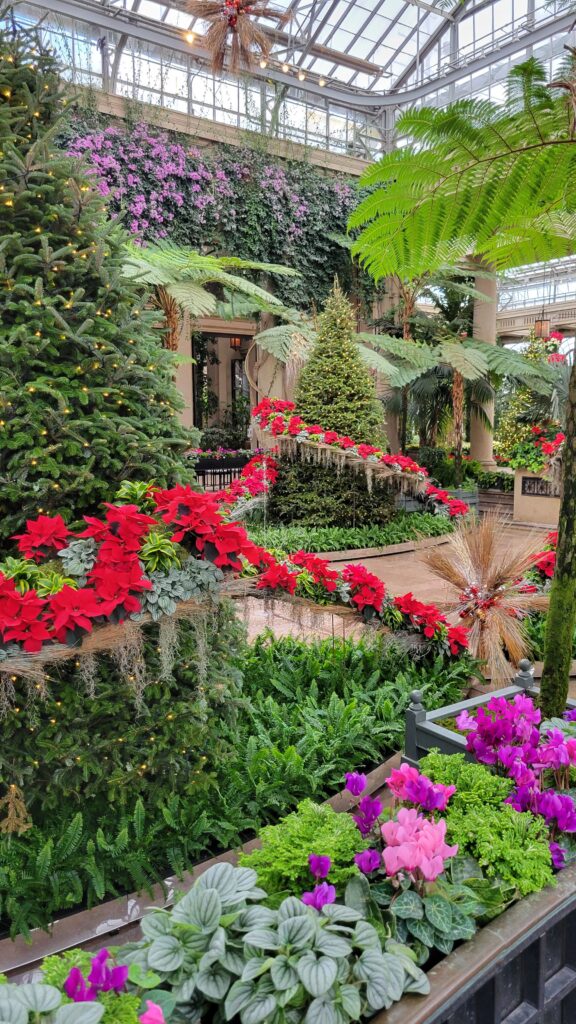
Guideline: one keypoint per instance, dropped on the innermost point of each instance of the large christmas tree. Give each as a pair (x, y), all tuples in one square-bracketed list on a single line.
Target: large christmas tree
[(87, 396), (336, 389)]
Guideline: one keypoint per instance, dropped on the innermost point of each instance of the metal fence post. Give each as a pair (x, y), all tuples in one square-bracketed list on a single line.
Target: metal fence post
[(415, 713), (524, 677)]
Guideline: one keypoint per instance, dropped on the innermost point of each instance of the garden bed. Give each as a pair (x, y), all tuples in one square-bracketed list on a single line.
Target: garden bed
[(520, 969), (119, 919), (403, 533)]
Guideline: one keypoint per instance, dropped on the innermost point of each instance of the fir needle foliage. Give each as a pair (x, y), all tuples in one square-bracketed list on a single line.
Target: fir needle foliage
[(335, 389), (87, 396)]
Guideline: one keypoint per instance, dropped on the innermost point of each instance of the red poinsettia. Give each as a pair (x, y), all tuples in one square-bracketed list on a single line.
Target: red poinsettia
[(426, 617), (72, 609), (128, 524), (42, 536), (278, 577), (319, 569), (366, 590), (545, 562), (21, 617), (457, 637), (295, 425), (364, 450)]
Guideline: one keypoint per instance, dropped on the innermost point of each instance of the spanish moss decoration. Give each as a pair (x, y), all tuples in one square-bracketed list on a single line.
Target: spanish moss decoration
[(88, 667), (168, 644), (16, 820), (233, 31)]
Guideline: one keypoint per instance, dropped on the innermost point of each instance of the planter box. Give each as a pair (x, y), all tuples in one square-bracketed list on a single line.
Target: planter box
[(492, 500), (536, 500), (117, 921), (520, 969), (423, 733)]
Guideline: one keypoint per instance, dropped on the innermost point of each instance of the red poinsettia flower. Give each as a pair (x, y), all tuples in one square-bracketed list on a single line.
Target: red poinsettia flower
[(277, 426), (20, 617), (295, 425), (457, 639), (256, 555), (366, 589), (319, 569), (42, 536), (73, 609), (128, 524), (552, 537), (278, 576), (331, 437), (458, 508), (556, 357), (346, 442), (545, 562), (364, 450), (96, 529)]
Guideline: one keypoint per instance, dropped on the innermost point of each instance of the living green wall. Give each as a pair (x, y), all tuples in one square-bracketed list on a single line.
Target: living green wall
[(226, 199)]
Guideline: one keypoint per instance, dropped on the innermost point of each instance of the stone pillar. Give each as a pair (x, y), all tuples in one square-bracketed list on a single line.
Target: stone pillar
[(485, 311), (184, 378)]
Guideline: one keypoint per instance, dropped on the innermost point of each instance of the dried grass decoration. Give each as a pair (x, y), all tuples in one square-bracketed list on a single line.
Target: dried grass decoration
[(233, 30), (493, 595)]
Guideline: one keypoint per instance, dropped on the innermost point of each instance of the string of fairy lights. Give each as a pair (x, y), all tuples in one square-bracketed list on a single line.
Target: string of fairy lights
[(265, 62)]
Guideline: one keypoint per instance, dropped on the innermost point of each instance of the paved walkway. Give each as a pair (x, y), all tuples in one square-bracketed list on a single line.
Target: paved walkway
[(401, 573)]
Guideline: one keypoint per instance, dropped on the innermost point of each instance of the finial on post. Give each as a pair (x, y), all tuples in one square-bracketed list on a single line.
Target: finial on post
[(525, 674)]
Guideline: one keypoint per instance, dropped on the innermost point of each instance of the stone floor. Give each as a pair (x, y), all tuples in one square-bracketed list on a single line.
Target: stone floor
[(401, 573)]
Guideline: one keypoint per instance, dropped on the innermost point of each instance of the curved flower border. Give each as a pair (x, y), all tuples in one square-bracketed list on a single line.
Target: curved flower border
[(279, 417)]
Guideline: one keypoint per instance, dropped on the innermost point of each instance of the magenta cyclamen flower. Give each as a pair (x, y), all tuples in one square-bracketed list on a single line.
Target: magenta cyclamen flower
[(320, 896), (409, 785), (368, 861), (355, 783), (319, 866), (102, 978), (500, 723), (77, 989), (558, 855), (369, 810), (570, 716), (416, 846)]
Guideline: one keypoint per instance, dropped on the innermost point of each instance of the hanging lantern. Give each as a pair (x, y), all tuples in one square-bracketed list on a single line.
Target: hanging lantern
[(541, 327), (232, 22), (236, 343)]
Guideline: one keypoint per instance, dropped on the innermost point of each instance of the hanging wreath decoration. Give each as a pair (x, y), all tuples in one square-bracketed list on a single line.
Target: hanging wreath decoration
[(233, 31)]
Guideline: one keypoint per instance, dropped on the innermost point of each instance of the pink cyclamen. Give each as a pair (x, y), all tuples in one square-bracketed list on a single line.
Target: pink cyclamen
[(416, 846)]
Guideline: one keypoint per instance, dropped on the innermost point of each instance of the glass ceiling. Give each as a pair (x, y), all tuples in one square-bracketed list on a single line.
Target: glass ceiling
[(379, 45)]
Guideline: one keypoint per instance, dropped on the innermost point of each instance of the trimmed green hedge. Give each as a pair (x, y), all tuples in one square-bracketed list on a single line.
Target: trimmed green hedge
[(405, 526)]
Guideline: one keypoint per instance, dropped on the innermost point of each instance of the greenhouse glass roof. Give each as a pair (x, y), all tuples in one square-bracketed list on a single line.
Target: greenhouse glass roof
[(338, 72)]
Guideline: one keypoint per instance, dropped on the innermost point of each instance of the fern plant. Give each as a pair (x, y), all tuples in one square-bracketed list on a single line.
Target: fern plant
[(189, 281), (477, 177)]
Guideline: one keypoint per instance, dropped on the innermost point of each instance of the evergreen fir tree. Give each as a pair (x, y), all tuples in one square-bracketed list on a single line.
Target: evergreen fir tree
[(511, 429), (335, 389), (87, 396)]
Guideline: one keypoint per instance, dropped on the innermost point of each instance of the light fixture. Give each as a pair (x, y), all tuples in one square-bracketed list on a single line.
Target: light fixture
[(321, 82), (301, 76), (236, 343), (285, 68), (190, 37), (542, 326), (263, 63)]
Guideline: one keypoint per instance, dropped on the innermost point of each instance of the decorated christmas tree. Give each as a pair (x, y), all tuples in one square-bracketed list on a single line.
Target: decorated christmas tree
[(87, 396), (513, 427), (335, 389)]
